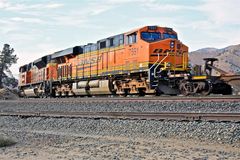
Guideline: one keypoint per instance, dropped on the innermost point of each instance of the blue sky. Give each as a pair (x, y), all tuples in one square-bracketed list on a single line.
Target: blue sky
[(39, 27)]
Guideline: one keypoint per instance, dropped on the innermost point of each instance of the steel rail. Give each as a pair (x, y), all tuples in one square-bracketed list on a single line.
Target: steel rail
[(177, 116)]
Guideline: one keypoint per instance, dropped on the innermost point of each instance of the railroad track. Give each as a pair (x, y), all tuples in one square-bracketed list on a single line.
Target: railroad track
[(177, 116), (136, 99)]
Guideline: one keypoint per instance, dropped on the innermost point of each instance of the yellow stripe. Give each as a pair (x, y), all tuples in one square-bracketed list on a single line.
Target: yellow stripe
[(199, 77), (100, 51), (120, 68)]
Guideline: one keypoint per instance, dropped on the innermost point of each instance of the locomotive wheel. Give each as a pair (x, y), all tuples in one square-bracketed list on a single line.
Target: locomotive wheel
[(41, 95), (185, 87), (45, 95), (207, 89)]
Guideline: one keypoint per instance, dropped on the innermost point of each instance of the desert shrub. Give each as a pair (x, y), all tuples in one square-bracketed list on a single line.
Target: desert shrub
[(4, 142)]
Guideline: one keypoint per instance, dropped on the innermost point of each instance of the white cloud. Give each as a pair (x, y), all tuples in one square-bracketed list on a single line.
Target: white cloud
[(53, 5), (98, 7), (8, 6), (15, 25), (68, 20), (118, 2), (221, 11), (3, 4), (166, 7), (26, 20), (7, 26)]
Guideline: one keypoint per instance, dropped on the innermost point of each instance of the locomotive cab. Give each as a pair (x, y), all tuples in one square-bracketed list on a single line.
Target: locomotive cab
[(167, 56)]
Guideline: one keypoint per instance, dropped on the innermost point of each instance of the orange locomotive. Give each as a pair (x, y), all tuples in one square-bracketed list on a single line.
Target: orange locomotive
[(148, 60)]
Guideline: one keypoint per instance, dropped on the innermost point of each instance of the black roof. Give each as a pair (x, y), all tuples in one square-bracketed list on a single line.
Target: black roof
[(62, 53), (42, 62)]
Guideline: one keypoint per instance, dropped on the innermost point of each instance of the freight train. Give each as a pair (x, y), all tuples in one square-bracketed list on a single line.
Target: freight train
[(147, 60)]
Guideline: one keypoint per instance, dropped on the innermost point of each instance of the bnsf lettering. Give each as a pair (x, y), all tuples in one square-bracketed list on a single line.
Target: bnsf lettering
[(90, 60)]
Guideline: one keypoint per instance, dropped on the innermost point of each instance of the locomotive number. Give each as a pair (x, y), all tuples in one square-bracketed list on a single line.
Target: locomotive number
[(133, 51)]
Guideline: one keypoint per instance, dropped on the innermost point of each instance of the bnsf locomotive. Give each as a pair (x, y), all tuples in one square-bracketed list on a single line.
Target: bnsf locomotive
[(148, 60)]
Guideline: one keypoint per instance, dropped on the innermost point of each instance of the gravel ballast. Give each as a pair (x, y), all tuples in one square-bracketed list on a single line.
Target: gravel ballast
[(76, 138), (146, 106), (204, 131), (59, 145)]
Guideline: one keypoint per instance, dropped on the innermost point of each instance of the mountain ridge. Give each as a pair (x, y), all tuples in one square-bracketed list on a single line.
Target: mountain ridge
[(228, 57)]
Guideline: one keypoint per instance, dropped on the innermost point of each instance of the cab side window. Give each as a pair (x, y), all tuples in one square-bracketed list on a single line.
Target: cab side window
[(121, 39), (111, 42), (103, 45), (116, 40), (132, 38)]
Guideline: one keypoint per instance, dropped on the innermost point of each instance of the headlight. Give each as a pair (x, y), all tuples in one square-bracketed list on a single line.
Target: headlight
[(172, 44)]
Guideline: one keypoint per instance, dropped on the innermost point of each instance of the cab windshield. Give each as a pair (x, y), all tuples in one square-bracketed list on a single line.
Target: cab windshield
[(151, 36), (167, 35)]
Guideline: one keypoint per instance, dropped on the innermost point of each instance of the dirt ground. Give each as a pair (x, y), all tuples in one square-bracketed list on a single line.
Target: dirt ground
[(43, 146)]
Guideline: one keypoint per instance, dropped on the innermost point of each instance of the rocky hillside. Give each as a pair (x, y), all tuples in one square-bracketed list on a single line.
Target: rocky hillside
[(229, 57), (10, 82), (9, 90)]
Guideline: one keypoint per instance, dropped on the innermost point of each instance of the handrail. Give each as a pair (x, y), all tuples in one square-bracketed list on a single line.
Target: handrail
[(149, 73), (159, 65)]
